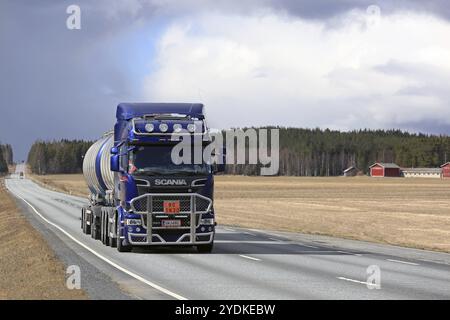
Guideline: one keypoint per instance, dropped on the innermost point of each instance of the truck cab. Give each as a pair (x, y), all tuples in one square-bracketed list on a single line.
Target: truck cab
[(150, 199)]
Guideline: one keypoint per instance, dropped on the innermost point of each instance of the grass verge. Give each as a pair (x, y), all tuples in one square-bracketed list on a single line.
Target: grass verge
[(29, 269)]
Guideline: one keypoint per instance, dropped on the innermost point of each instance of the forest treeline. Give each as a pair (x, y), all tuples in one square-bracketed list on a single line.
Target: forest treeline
[(316, 152), (53, 157), (303, 152), (6, 157)]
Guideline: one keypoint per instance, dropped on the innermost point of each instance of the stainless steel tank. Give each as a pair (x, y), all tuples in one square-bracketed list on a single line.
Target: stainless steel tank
[(96, 166)]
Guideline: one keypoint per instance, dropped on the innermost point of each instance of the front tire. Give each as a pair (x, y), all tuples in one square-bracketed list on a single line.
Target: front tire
[(86, 228), (120, 246)]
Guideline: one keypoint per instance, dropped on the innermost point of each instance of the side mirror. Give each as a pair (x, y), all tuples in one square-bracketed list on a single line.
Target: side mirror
[(115, 163), (114, 150)]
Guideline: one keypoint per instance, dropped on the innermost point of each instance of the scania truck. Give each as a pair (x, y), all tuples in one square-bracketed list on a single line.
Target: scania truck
[(138, 195)]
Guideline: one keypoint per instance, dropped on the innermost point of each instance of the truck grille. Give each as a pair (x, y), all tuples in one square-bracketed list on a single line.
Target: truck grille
[(153, 203)]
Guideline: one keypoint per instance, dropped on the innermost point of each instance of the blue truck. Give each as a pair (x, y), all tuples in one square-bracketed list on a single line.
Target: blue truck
[(138, 195)]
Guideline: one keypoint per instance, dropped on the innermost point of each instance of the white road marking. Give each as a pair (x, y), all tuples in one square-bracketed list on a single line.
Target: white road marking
[(278, 240), (356, 281), (351, 253), (307, 245), (228, 229), (433, 261), (251, 242), (317, 251), (250, 258), (404, 262), (130, 273)]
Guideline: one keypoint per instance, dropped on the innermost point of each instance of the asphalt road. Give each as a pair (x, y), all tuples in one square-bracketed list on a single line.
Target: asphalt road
[(245, 264)]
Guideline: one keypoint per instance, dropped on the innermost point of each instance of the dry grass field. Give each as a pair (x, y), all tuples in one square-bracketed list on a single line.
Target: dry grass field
[(28, 267), (408, 212)]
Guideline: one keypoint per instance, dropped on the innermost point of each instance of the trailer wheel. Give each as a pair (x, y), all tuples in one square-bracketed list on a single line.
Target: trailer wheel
[(205, 248), (107, 238), (86, 228), (102, 228), (82, 219), (83, 222), (94, 230), (120, 246)]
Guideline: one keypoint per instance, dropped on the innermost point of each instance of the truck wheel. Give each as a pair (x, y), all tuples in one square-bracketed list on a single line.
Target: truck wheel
[(120, 246), (107, 238), (113, 241), (86, 228), (205, 248), (82, 219), (94, 230), (102, 227), (83, 222)]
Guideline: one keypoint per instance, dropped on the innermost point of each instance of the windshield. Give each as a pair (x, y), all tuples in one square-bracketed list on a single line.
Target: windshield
[(156, 160)]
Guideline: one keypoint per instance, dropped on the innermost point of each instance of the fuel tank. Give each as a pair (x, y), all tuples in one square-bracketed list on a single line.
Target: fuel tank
[(96, 166)]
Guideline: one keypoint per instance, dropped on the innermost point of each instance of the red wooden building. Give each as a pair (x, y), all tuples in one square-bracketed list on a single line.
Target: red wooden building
[(446, 170), (380, 169)]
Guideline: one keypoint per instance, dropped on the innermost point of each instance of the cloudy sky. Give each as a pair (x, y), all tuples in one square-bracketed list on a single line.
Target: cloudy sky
[(332, 64)]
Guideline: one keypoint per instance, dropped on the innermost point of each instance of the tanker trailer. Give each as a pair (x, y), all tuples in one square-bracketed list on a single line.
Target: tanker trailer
[(138, 195)]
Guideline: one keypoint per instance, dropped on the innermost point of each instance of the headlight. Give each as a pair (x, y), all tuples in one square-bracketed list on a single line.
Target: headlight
[(163, 127), (177, 127), (149, 127), (191, 127), (207, 221), (132, 222)]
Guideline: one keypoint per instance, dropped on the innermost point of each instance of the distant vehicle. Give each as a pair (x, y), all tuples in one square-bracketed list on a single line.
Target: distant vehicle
[(21, 175), (138, 196)]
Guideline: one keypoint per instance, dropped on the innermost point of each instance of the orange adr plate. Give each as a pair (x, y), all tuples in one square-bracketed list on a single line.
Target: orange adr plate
[(172, 206)]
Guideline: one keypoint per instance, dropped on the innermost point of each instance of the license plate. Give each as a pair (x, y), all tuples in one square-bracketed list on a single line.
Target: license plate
[(171, 223), (172, 206)]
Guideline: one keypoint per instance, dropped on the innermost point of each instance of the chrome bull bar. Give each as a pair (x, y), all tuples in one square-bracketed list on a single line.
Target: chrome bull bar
[(150, 207)]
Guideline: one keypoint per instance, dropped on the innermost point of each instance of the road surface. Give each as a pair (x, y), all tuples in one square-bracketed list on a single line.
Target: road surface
[(245, 264)]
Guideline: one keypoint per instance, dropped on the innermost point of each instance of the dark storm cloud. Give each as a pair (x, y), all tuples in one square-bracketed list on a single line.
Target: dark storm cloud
[(323, 9), (57, 82)]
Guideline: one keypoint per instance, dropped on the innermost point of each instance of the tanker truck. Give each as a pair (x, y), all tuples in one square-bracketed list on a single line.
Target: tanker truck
[(138, 195)]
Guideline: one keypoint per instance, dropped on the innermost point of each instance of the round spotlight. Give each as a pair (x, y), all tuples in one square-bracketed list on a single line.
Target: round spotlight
[(177, 127), (149, 127), (191, 127), (163, 127)]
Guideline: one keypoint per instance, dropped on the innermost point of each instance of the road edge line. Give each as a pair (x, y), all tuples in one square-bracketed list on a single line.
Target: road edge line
[(118, 267)]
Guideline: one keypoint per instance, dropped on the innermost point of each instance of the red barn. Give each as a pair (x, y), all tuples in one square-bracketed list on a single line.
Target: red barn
[(446, 170), (380, 169)]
